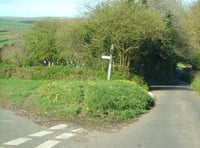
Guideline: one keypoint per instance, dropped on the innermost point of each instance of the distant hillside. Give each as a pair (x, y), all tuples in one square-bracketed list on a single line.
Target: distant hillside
[(6, 24), (9, 27)]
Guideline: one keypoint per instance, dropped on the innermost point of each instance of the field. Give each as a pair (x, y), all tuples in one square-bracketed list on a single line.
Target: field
[(10, 28)]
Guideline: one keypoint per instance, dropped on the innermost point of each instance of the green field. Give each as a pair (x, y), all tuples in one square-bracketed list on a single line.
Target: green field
[(7, 24), (10, 28)]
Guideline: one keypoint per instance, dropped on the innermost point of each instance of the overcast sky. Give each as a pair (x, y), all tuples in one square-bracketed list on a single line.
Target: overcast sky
[(45, 8)]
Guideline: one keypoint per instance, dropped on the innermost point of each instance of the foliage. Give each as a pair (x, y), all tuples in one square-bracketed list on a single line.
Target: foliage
[(196, 82), (108, 100), (68, 40), (141, 38), (40, 41), (54, 42), (57, 73), (139, 47), (139, 81), (192, 27), (149, 38), (176, 17)]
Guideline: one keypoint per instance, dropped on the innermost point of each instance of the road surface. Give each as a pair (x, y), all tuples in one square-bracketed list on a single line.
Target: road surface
[(173, 123)]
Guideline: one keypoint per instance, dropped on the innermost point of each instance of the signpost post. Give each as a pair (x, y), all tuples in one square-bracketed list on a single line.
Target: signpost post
[(110, 61)]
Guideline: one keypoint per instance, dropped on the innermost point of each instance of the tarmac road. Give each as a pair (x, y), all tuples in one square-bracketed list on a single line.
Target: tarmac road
[(173, 123)]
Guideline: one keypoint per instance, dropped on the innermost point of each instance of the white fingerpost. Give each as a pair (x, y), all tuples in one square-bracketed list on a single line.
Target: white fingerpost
[(109, 68), (110, 61)]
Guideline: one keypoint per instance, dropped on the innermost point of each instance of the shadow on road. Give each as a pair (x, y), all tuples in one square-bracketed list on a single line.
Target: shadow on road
[(170, 87), (176, 86)]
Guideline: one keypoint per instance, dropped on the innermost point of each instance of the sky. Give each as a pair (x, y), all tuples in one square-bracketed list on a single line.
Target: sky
[(47, 8), (44, 8)]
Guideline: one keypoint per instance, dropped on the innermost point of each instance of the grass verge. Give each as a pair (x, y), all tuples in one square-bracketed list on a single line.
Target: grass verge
[(104, 100), (196, 82), (17, 91)]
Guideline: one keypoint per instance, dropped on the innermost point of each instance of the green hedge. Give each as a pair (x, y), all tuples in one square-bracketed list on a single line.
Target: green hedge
[(57, 73)]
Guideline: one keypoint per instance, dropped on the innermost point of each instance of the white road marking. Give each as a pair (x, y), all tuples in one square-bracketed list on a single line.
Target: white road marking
[(78, 130), (59, 126), (17, 141), (41, 133), (48, 144), (65, 136)]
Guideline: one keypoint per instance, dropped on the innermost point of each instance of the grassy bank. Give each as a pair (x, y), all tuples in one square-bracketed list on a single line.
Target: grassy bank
[(112, 101), (196, 82)]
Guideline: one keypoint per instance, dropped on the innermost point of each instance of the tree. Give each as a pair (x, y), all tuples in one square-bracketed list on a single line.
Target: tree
[(68, 40), (192, 26), (40, 41), (174, 14), (136, 32)]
